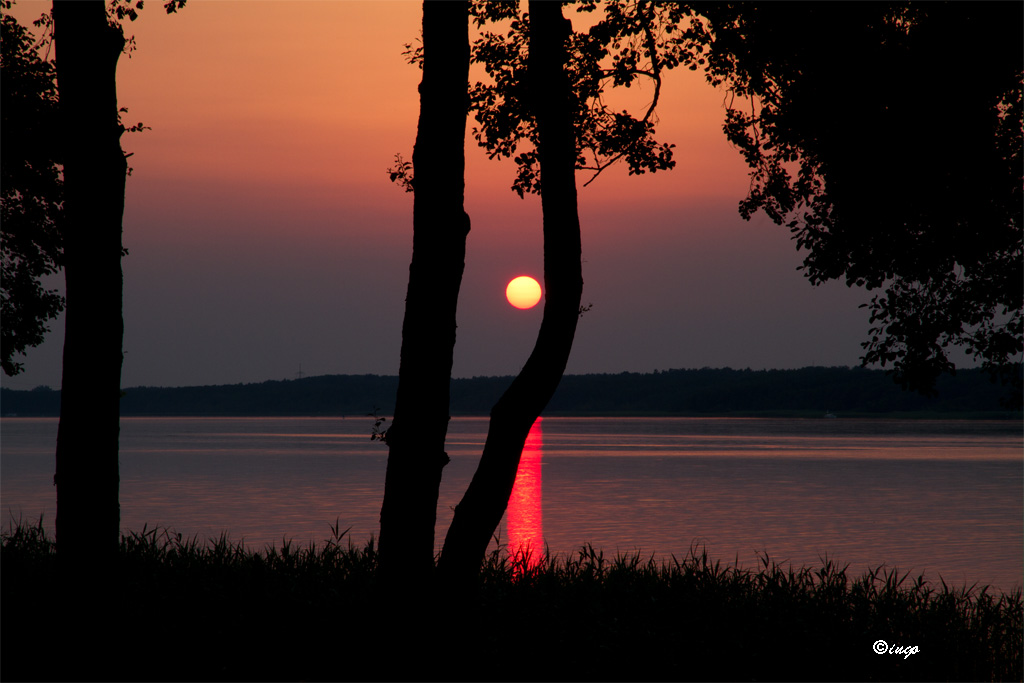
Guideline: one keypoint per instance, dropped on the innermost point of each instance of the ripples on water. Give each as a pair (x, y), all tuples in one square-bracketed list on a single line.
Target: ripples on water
[(940, 497)]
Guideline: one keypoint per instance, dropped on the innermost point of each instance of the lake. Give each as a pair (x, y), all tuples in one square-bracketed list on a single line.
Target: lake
[(934, 497)]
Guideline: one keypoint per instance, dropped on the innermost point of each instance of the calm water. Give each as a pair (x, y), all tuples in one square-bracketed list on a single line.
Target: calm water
[(927, 496)]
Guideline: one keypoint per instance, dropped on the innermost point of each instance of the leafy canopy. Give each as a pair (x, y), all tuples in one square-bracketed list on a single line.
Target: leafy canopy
[(887, 138), (631, 41), (31, 192)]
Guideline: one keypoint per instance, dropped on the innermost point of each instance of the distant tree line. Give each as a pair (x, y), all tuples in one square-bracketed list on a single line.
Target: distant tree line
[(709, 391)]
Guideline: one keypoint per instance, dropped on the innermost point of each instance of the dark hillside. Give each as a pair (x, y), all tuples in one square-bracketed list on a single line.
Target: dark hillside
[(808, 391)]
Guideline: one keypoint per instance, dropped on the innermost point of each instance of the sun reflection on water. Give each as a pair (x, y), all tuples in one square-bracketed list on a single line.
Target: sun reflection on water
[(524, 517)]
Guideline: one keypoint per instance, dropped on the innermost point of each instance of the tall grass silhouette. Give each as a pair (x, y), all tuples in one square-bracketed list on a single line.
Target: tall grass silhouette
[(187, 608)]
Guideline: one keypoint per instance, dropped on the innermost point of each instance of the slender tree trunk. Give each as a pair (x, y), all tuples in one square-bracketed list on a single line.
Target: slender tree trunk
[(440, 225), (87, 480), (479, 512), (88, 512)]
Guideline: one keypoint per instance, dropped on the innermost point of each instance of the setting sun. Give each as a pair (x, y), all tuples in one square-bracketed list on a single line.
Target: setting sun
[(523, 292)]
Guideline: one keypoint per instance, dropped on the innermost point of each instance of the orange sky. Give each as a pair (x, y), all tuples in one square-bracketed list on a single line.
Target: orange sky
[(310, 101), (264, 233)]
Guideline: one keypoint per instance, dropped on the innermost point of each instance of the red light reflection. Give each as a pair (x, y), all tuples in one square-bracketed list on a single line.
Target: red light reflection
[(523, 516)]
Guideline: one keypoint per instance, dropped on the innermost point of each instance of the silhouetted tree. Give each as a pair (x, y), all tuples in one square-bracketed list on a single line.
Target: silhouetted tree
[(87, 49), (30, 192), (89, 41), (551, 100), (887, 137), (416, 437), (550, 97), (559, 108)]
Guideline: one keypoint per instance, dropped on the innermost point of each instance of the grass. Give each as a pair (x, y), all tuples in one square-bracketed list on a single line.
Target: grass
[(189, 610)]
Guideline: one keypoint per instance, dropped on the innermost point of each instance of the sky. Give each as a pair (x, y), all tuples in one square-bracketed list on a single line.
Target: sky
[(266, 240)]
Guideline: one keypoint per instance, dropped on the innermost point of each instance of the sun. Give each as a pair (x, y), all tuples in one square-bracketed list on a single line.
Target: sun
[(523, 292)]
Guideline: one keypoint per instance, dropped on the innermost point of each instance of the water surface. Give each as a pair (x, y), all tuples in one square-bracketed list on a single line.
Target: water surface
[(935, 497)]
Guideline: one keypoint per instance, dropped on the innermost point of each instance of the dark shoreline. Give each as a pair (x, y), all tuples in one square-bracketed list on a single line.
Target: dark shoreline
[(804, 393)]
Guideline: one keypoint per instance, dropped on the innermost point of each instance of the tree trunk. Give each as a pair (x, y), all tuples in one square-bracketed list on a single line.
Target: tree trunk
[(88, 512), (440, 225), (481, 509)]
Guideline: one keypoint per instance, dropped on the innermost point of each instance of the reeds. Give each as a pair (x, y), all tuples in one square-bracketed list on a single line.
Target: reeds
[(191, 609)]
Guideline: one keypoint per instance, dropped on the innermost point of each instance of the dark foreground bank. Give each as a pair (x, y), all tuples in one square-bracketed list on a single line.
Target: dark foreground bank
[(183, 610)]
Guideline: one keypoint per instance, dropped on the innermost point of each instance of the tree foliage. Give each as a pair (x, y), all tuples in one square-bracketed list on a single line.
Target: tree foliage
[(31, 188), (887, 138), (31, 192), (631, 42)]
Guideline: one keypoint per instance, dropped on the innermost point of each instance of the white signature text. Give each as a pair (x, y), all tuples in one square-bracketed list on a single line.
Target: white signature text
[(883, 648)]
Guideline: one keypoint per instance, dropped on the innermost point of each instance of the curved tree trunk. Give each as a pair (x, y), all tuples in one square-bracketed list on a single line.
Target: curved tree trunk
[(440, 225), (481, 509), (87, 480)]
